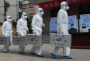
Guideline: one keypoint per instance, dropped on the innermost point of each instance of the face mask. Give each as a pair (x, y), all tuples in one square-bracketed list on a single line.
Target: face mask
[(10, 20), (25, 17), (42, 13), (67, 8)]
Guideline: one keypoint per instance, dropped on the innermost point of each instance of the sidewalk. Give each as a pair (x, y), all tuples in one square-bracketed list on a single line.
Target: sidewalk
[(80, 54)]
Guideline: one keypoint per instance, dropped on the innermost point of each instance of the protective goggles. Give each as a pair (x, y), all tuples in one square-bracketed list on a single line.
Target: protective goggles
[(41, 11), (25, 14), (10, 18)]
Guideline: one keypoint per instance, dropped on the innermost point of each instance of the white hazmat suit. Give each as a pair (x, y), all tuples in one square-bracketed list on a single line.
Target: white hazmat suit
[(7, 32), (22, 30), (37, 24), (62, 19)]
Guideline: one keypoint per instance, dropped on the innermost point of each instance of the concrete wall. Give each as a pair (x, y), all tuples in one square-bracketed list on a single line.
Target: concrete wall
[(1, 14), (1, 10), (13, 9)]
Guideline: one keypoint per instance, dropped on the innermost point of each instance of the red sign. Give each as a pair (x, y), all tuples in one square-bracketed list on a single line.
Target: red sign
[(49, 5), (56, 3)]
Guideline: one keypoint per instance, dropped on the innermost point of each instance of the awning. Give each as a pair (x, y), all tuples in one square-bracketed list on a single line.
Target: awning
[(56, 3)]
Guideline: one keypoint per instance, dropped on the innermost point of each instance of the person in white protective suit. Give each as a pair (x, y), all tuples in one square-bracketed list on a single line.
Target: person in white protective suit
[(7, 32), (22, 30), (62, 20), (37, 24)]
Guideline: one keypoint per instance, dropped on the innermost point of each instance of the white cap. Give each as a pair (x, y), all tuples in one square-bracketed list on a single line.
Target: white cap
[(63, 3), (8, 17)]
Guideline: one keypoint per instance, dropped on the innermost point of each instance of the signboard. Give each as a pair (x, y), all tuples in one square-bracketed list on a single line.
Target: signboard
[(53, 24), (72, 21), (85, 21), (17, 40), (60, 40), (4, 40), (34, 39)]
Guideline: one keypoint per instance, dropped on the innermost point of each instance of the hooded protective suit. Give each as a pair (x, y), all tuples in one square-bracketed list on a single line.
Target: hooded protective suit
[(22, 30), (37, 24), (62, 20), (7, 31)]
